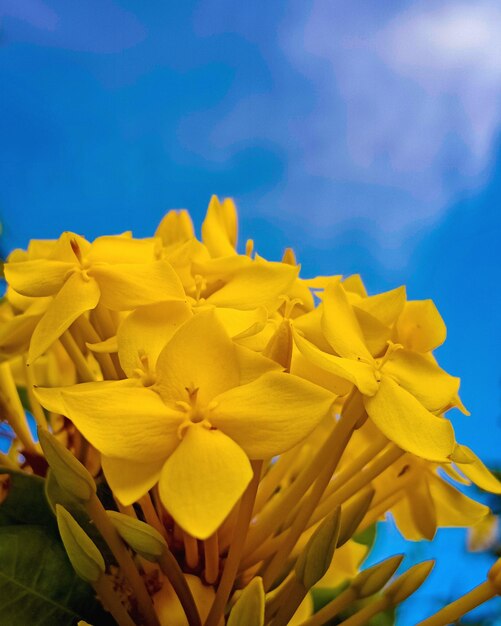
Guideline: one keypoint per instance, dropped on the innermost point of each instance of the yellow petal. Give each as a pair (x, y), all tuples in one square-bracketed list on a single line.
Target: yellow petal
[(130, 480), (123, 249), (51, 398), (126, 286), (219, 228), (252, 365), (376, 334), (386, 307), (428, 382), (203, 480), (422, 508), (76, 296), (271, 414), (146, 331), (341, 327), (239, 324), (126, 423), (307, 370), (176, 227), (199, 356), (404, 420), (355, 285), (258, 285), (360, 374), (479, 474), (454, 508), (420, 326), (37, 278)]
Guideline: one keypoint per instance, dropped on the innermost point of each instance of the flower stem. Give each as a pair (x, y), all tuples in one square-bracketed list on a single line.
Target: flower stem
[(190, 550), (332, 609), (170, 567), (343, 431), (391, 454), (211, 553), (98, 515), (453, 611), (236, 548)]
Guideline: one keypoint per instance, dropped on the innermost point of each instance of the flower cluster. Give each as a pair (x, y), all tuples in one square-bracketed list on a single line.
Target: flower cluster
[(250, 424)]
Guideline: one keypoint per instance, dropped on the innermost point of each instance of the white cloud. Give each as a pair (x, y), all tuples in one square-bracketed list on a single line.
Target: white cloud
[(421, 94), (403, 116)]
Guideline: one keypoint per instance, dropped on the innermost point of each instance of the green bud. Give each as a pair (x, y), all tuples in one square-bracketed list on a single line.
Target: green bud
[(249, 608), (409, 582), (315, 559), (70, 474), (86, 559), (141, 537), (353, 513), (374, 578)]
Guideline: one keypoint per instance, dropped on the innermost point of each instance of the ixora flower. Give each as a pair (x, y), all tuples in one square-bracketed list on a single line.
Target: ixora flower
[(250, 424), (403, 391), (193, 423), (119, 272)]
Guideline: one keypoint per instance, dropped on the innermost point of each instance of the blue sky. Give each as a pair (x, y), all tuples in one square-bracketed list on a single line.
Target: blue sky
[(364, 135)]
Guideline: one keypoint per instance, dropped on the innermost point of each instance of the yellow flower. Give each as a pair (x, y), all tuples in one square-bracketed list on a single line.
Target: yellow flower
[(193, 422), (403, 391), (119, 272), (428, 501)]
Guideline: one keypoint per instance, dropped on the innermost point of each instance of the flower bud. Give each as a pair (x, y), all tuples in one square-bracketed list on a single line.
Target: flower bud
[(374, 578), (249, 608), (86, 559), (141, 537), (315, 559), (352, 513), (409, 582), (70, 474)]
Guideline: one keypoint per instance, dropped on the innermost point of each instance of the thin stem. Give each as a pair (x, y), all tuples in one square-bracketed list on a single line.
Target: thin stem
[(273, 477), (343, 431), (190, 550), (236, 548), (98, 515), (91, 336), (111, 602), (170, 567), (70, 345), (281, 504), (362, 617), (151, 515), (352, 468), (211, 553), (363, 478), (332, 609), (453, 611)]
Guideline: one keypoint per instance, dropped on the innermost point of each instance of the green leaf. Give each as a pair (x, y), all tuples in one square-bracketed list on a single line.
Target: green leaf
[(38, 585), (25, 502)]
